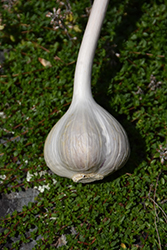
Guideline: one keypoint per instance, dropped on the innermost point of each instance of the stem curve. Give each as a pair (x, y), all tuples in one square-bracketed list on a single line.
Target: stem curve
[(83, 71)]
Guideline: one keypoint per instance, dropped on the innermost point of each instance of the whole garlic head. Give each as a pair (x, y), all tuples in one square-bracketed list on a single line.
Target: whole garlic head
[(86, 144)]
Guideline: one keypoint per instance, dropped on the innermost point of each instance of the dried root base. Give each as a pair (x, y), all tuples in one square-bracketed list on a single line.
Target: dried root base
[(86, 178)]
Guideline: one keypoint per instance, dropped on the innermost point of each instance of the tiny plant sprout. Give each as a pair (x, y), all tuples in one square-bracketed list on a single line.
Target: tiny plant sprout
[(87, 143)]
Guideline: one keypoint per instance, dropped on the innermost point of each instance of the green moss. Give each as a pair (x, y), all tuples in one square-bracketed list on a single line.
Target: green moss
[(128, 207)]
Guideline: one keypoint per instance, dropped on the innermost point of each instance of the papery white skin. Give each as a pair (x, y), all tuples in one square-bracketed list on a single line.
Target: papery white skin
[(87, 143)]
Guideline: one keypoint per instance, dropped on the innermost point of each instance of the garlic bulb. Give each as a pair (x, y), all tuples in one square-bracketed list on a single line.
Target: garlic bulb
[(87, 143)]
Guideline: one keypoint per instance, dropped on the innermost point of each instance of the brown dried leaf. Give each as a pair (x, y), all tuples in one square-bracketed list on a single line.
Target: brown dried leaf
[(44, 62)]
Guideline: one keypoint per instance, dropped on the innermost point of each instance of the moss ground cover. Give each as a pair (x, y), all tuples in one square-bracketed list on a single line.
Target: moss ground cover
[(127, 210)]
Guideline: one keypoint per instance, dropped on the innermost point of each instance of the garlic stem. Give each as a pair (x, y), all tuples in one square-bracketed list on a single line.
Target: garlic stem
[(83, 71)]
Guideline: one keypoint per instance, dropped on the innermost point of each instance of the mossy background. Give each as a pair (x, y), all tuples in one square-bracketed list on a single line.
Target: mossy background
[(127, 210)]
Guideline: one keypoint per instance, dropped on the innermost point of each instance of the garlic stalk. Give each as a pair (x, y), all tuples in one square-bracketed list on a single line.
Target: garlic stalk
[(87, 143)]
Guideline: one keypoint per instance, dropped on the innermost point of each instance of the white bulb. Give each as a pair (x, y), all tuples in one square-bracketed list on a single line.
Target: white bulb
[(86, 144)]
